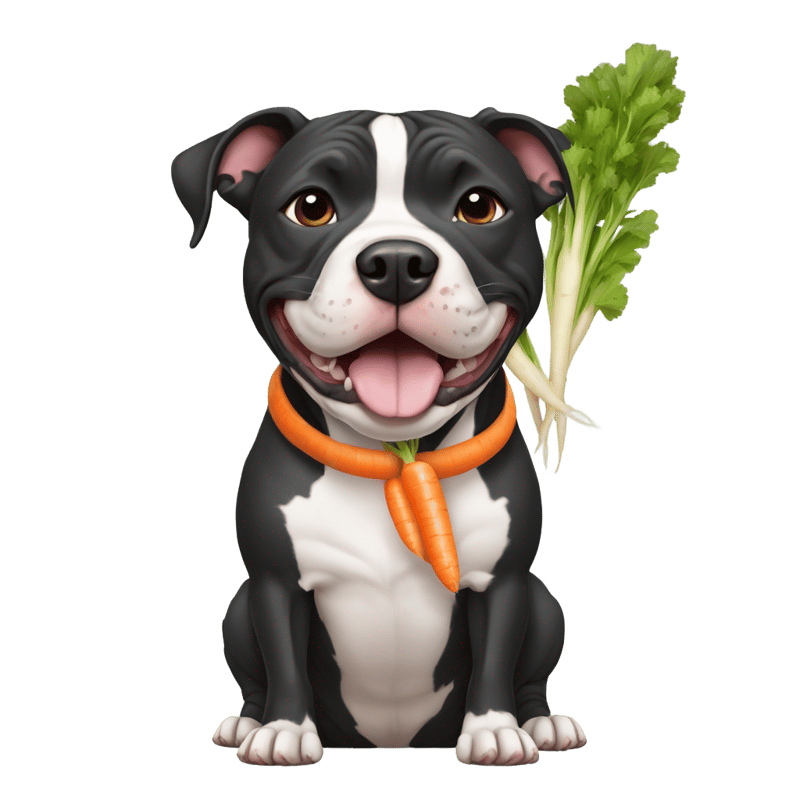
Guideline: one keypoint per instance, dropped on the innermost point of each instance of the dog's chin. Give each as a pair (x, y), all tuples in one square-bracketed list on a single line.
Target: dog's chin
[(389, 429)]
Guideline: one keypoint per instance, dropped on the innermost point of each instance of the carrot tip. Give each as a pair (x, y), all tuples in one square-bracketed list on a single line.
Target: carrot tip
[(450, 578)]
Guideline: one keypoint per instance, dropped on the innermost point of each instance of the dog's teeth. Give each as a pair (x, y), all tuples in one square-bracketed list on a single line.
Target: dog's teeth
[(348, 384), (319, 362), (337, 373), (456, 372), (461, 368)]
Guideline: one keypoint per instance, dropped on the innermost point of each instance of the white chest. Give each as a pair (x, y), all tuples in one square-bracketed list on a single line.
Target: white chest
[(386, 612)]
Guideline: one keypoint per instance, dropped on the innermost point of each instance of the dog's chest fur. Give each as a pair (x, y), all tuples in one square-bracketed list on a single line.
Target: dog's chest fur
[(387, 614)]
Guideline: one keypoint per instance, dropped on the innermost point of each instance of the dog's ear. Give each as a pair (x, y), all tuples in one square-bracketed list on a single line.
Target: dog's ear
[(537, 148), (231, 162)]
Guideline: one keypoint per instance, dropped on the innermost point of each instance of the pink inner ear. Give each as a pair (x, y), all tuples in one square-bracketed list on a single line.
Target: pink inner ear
[(251, 150), (537, 164)]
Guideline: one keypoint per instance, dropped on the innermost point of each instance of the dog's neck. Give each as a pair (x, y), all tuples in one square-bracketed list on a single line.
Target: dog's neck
[(458, 428), (350, 423)]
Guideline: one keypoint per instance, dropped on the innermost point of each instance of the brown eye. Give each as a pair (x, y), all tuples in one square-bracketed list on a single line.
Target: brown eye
[(311, 208), (478, 206)]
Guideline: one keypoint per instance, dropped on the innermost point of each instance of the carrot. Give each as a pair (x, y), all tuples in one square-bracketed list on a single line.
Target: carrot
[(358, 461), (403, 517), (413, 492), (458, 458), (427, 501)]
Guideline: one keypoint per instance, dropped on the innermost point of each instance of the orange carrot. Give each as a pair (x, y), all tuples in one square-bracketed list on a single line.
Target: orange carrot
[(347, 458), (430, 509), (403, 517), (458, 458), (413, 493)]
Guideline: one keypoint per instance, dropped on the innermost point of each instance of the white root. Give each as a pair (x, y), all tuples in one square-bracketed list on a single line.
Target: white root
[(536, 412), (535, 380), (578, 335), (561, 431), (534, 404), (579, 332), (565, 301), (546, 448)]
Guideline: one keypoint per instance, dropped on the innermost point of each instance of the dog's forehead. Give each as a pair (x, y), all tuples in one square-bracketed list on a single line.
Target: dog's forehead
[(445, 129), (345, 136), (443, 146), (429, 135)]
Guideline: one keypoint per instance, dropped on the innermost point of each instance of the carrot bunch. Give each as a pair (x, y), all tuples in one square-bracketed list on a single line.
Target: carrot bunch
[(419, 511)]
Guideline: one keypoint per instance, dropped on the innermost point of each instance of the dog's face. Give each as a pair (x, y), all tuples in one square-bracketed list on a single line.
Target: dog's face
[(393, 259)]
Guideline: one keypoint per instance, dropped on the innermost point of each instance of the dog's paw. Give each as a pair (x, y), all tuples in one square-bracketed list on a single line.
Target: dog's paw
[(233, 730), (282, 743), (495, 738), (555, 733)]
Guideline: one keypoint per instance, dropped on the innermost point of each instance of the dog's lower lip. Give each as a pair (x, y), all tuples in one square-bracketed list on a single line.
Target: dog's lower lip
[(333, 371)]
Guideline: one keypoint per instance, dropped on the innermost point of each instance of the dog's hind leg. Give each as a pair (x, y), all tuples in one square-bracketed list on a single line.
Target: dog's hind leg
[(247, 665), (541, 649)]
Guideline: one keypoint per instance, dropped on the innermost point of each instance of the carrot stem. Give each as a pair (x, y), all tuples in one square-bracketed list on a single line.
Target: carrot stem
[(407, 450)]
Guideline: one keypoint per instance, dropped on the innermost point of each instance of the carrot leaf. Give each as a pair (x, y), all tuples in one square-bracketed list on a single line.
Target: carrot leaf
[(407, 450), (616, 114)]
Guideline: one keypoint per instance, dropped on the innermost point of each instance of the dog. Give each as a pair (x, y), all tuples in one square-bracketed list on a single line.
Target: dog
[(392, 263)]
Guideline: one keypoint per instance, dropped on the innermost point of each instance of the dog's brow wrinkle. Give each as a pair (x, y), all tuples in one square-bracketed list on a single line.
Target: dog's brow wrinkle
[(339, 148)]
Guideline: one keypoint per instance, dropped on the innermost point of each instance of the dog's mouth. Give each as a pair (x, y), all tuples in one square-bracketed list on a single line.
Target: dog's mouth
[(395, 375)]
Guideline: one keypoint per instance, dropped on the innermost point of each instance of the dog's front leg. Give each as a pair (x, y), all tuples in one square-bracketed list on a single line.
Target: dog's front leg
[(288, 735), (497, 620)]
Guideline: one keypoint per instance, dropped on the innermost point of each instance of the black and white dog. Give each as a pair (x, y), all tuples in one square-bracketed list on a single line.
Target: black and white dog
[(392, 263)]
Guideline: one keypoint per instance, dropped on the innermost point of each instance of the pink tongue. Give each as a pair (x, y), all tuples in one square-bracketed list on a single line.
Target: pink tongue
[(396, 381)]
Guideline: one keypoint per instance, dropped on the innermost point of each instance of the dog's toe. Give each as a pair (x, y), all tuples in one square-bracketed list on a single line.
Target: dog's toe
[(555, 732), (267, 745), (233, 730), (501, 747)]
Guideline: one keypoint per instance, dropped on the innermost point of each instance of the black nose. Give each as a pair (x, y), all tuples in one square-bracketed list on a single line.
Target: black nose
[(397, 270)]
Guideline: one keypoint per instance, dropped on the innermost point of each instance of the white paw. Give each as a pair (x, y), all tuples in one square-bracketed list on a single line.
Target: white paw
[(233, 730), (282, 743), (494, 738), (555, 733)]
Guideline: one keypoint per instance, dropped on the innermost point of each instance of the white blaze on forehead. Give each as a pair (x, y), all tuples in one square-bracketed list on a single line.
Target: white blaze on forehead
[(391, 147)]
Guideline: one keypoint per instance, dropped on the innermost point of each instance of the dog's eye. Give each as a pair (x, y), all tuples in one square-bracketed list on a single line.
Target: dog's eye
[(311, 208), (478, 206)]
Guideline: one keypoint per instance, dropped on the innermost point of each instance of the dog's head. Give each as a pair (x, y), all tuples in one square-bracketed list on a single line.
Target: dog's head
[(393, 259)]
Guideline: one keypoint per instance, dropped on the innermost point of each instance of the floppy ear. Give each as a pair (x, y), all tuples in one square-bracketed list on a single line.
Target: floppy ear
[(537, 147), (231, 162)]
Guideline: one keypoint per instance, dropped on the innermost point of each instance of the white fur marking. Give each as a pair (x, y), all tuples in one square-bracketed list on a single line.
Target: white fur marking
[(494, 738), (386, 612), (282, 743), (387, 615)]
